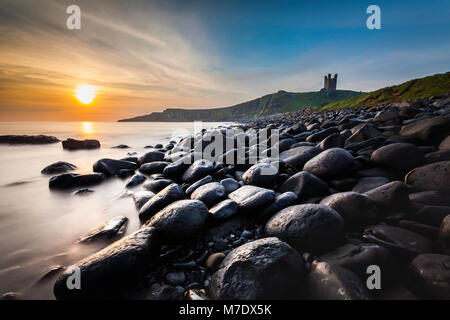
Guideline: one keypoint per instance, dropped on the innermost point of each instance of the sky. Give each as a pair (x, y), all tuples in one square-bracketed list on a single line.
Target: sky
[(146, 56)]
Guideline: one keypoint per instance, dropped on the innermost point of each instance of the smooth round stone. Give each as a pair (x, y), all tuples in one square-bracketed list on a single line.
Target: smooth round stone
[(214, 260), (151, 156), (328, 281), (261, 175), (198, 170), (209, 193), (111, 167), (430, 131), (391, 198), (358, 210), (427, 231), (281, 201), (251, 198), (230, 185), (197, 184), (313, 228), (224, 209), (162, 199), (431, 215), (305, 185), (58, 167), (285, 144), (176, 278), (319, 136), (72, 180), (398, 240), (433, 176), (332, 141), (141, 197), (432, 198), (398, 157), (369, 183), (157, 185), (431, 275), (267, 268), (297, 157), (179, 221), (135, 181), (330, 163), (444, 235), (343, 184), (153, 167)]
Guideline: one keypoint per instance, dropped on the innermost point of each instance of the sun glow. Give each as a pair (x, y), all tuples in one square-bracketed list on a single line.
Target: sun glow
[(87, 128), (85, 93)]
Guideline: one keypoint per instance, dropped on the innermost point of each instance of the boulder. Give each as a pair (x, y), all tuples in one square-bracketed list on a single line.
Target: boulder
[(305, 185), (198, 170), (197, 184), (179, 221), (251, 198), (333, 141), (157, 185), (58, 167), (224, 209), (72, 144), (209, 193), (111, 167), (261, 175), (24, 139), (398, 157), (369, 183), (151, 156), (166, 196), (445, 144), (153, 167), (391, 198), (297, 157), (105, 273), (72, 180), (429, 131), (313, 228), (230, 185), (141, 197), (281, 201), (110, 229), (135, 181), (330, 163), (430, 274), (433, 176), (262, 269)]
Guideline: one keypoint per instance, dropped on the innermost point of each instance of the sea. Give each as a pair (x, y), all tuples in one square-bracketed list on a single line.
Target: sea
[(39, 227)]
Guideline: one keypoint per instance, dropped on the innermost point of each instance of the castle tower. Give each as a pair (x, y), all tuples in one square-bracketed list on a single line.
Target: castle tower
[(330, 84)]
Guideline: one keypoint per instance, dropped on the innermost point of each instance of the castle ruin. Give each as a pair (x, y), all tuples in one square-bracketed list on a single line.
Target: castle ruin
[(329, 85)]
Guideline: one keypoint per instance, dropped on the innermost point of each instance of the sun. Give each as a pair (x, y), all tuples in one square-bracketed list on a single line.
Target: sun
[(85, 93)]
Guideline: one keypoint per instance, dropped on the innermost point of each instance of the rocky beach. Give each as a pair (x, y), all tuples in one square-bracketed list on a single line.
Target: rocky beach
[(340, 193)]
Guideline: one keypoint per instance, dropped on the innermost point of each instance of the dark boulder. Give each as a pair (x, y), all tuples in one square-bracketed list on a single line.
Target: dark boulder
[(72, 180), (435, 176), (398, 157), (111, 167), (262, 269), (261, 175), (305, 185), (157, 185), (297, 157), (429, 131), (391, 198), (72, 144), (141, 197), (251, 198), (333, 141), (369, 183), (111, 229), (58, 167), (224, 209), (209, 193), (151, 156), (23, 139), (281, 201), (198, 170), (197, 184), (135, 181), (153, 167), (166, 196), (313, 228), (330, 163), (230, 185), (179, 221), (430, 275)]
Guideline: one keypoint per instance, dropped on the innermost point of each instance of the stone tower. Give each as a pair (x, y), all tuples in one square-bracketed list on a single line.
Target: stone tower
[(329, 85)]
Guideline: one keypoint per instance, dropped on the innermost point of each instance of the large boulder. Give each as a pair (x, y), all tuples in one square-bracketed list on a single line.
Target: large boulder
[(429, 131), (435, 176), (157, 185), (398, 157), (105, 273), (297, 157), (153, 167), (305, 185), (209, 193), (261, 175), (430, 275), (24, 139), (111, 167), (313, 228), (330, 163), (72, 144), (198, 170), (58, 167), (109, 230), (328, 281), (166, 196), (72, 180), (391, 198), (198, 184), (224, 209), (267, 268), (358, 210), (251, 198), (151, 156), (281, 201), (180, 221)]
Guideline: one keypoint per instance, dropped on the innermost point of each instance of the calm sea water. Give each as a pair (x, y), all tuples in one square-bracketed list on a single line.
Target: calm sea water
[(39, 228)]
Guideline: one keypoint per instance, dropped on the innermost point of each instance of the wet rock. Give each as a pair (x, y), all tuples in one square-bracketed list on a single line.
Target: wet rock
[(398, 240), (251, 198), (319, 136), (343, 184), (391, 198), (438, 156), (176, 278), (284, 144), (230, 185), (224, 209), (110, 229), (151, 156), (444, 235), (362, 132), (281, 201), (233, 225), (429, 131), (136, 180), (24, 139), (141, 197), (125, 173), (430, 198), (358, 210), (427, 231), (58, 167), (198, 170), (433, 176), (431, 215), (369, 183), (163, 198), (262, 269), (313, 228), (105, 273), (83, 192), (261, 175), (305, 185), (327, 281), (121, 146), (398, 157), (153, 167), (157, 185), (72, 180), (297, 157), (111, 167), (333, 141), (72, 144), (209, 193), (330, 163), (214, 260), (197, 184), (431, 276), (179, 221)]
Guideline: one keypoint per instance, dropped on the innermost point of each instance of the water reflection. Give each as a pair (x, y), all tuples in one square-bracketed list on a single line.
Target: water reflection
[(87, 128)]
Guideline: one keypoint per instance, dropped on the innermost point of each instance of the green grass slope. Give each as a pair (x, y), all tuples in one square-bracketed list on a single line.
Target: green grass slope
[(437, 84)]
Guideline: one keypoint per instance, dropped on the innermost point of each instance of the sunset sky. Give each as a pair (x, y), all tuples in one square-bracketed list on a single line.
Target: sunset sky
[(145, 56)]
